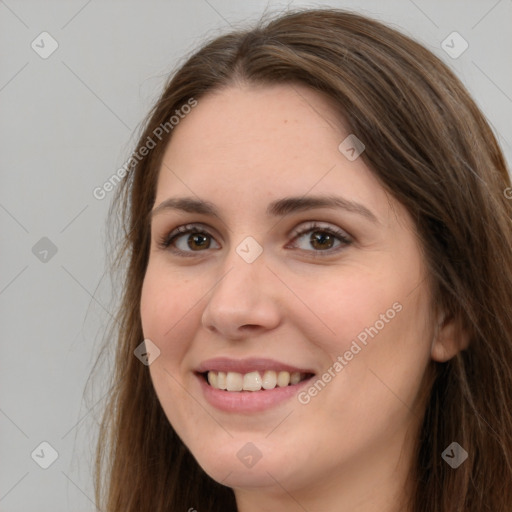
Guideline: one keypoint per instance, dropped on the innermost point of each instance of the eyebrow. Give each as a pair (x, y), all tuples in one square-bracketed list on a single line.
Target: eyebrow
[(276, 208)]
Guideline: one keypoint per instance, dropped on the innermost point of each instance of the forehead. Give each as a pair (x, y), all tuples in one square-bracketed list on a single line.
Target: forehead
[(259, 143), (243, 120)]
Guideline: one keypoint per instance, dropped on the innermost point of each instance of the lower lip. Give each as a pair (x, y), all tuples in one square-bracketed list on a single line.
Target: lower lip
[(248, 401)]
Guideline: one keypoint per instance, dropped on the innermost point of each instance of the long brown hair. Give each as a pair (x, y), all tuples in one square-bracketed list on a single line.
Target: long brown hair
[(432, 150)]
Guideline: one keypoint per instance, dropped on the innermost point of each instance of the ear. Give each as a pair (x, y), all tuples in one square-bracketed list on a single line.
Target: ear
[(449, 339)]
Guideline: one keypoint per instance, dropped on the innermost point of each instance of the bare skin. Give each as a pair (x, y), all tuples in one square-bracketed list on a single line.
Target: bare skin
[(302, 302)]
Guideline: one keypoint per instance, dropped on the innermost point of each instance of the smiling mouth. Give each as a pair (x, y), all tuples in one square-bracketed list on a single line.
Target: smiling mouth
[(253, 381)]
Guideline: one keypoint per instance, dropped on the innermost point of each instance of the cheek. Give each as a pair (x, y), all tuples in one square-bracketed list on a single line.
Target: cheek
[(345, 307), (374, 324), (166, 309), (167, 316)]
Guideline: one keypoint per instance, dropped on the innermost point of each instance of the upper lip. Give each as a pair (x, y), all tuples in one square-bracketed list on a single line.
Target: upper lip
[(226, 364)]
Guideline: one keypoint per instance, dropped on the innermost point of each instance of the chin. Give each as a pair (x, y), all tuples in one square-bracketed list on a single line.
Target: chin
[(243, 477), (242, 463)]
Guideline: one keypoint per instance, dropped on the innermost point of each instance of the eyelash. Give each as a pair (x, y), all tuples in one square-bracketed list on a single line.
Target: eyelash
[(165, 241)]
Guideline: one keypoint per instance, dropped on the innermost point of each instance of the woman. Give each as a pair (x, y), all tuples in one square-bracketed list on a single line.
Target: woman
[(318, 251)]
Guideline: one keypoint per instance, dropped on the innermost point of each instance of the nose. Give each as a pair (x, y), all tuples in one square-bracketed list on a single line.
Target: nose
[(243, 301)]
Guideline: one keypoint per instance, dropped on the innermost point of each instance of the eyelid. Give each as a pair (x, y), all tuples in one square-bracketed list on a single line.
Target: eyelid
[(164, 241), (345, 239), (309, 226)]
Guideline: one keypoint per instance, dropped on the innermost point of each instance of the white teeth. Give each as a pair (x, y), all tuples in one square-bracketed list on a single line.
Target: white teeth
[(283, 379), (234, 381), (221, 380), (212, 379), (269, 380), (253, 381), (294, 378)]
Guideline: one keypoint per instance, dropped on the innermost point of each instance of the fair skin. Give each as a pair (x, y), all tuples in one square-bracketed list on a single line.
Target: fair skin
[(349, 448)]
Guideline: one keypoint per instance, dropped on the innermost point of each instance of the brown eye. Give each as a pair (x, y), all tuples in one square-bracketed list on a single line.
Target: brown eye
[(187, 239), (321, 239), (198, 240)]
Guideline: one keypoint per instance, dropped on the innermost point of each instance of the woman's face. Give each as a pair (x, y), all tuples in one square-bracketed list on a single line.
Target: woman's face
[(275, 283)]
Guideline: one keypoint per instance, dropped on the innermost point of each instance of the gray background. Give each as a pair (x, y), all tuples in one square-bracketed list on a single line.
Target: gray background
[(67, 124)]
